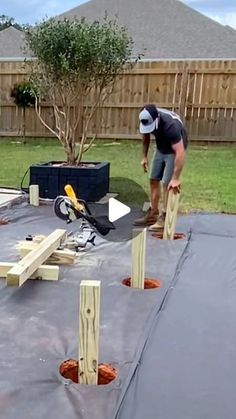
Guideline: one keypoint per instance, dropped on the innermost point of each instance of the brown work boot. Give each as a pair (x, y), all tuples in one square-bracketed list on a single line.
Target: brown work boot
[(148, 219), (159, 224)]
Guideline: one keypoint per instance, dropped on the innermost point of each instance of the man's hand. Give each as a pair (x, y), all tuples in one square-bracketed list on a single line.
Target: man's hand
[(144, 163), (174, 185)]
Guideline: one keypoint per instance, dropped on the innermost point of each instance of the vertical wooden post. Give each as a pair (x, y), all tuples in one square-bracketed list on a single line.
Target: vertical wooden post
[(171, 215), (138, 258), (34, 195), (89, 331)]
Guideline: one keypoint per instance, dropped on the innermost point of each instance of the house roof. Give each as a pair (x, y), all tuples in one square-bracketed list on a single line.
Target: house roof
[(163, 29), (12, 43)]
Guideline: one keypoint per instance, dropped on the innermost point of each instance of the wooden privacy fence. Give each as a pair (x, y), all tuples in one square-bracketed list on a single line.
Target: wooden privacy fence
[(203, 92)]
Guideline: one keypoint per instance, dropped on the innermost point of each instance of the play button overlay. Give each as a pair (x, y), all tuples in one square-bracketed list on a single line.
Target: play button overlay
[(123, 208), (117, 210)]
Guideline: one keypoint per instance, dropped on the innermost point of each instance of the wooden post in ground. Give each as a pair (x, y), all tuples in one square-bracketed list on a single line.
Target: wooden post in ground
[(34, 195), (138, 258), (89, 316), (171, 215)]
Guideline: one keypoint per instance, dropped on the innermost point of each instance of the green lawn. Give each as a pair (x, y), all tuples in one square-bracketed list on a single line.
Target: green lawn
[(208, 181)]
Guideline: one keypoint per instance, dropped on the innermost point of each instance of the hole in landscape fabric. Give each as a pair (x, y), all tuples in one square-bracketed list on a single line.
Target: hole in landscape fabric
[(69, 369), (148, 283)]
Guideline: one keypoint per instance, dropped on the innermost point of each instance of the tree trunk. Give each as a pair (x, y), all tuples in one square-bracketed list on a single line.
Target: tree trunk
[(23, 124), (70, 154)]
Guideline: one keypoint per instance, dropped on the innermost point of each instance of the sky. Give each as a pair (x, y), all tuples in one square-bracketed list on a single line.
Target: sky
[(32, 11)]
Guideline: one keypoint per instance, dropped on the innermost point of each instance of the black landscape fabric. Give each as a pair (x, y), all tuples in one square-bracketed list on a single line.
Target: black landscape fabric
[(173, 347)]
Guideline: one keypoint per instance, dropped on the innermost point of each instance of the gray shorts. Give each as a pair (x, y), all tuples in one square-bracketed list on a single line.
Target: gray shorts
[(162, 167)]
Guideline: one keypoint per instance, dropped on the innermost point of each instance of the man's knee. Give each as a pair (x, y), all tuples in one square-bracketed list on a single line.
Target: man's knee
[(154, 183)]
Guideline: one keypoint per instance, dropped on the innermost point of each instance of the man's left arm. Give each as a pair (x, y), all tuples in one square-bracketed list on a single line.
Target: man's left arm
[(179, 151)]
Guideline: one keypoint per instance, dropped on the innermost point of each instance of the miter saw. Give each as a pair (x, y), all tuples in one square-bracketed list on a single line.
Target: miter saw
[(69, 208)]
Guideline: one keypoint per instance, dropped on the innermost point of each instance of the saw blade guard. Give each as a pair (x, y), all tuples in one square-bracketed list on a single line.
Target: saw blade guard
[(63, 208)]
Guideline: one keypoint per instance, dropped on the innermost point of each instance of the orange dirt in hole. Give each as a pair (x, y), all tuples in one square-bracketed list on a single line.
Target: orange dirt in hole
[(148, 283), (177, 236), (69, 369)]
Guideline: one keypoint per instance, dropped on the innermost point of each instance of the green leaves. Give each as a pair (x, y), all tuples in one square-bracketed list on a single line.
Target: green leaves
[(23, 94), (72, 59), (80, 50), (7, 22)]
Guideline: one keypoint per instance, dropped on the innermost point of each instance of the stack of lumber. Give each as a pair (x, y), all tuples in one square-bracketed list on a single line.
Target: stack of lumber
[(39, 259)]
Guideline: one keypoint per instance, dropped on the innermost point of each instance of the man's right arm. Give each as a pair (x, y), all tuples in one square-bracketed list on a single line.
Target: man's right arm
[(146, 143)]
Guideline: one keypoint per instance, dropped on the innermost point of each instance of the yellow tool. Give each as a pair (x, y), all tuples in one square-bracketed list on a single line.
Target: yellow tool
[(70, 208), (71, 194)]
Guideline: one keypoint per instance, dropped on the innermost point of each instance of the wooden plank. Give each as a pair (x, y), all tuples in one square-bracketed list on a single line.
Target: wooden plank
[(120, 105), (29, 264), (183, 92), (8, 104), (15, 134), (136, 105), (58, 257), (214, 71), (203, 105), (44, 272), (154, 71), (89, 316), (138, 258), (12, 72), (171, 215), (174, 91)]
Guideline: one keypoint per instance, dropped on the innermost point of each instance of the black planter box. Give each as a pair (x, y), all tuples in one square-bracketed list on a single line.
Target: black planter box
[(89, 183)]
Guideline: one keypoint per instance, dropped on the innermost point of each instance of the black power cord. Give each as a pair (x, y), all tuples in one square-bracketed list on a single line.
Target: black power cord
[(26, 190)]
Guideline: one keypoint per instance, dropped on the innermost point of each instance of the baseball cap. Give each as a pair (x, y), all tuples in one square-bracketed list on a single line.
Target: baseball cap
[(148, 119)]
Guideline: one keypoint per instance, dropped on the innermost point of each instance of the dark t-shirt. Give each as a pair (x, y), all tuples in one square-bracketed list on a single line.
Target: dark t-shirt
[(169, 132)]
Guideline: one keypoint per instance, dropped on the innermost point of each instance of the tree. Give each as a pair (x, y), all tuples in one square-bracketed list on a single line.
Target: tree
[(73, 59), (24, 97), (6, 22)]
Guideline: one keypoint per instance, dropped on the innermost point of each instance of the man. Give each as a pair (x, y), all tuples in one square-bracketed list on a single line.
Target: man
[(168, 160)]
